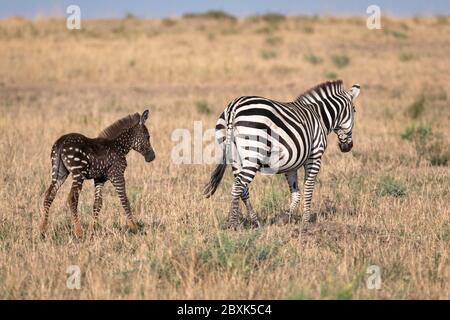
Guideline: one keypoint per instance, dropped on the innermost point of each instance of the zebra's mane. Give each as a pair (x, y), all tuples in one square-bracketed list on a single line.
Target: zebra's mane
[(114, 130), (337, 85)]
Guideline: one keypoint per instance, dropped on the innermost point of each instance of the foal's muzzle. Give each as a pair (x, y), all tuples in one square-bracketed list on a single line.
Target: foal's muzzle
[(150, 156), (346, 147)]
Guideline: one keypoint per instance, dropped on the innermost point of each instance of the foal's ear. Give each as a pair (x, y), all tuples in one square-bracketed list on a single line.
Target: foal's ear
[(354, 91), (144, 117)]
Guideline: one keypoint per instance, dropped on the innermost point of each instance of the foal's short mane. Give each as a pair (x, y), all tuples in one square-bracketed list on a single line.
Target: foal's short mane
[(337, 84), (114, 130)]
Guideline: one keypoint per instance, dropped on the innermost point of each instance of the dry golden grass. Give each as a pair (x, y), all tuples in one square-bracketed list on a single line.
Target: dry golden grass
[(54, 81)]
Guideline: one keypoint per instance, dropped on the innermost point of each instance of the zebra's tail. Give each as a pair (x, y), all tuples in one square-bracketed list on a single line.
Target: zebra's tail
[(216, 177), (224, 129)]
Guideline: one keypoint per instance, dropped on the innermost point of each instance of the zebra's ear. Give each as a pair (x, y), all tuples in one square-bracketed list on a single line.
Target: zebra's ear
[(354, 91), (144, 117)]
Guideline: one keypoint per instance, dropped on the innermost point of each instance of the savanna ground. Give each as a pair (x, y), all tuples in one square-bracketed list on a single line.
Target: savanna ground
[(387, 203)]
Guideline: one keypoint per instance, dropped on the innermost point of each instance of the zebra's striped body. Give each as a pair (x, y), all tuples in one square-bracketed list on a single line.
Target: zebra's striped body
[(101, 159), (259, 134)]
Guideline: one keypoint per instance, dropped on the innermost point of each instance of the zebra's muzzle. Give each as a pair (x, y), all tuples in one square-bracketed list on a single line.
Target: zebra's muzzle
[(346, 147), (150, 156)]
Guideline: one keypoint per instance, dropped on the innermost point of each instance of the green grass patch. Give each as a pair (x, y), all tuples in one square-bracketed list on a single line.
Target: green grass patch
[(331, 75), (274, 40), (202, 107), (388, 186), (340, 61), (268, 54)]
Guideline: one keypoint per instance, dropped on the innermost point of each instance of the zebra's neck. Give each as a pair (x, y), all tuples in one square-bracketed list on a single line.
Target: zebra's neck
[(124, 142), (328, 101)]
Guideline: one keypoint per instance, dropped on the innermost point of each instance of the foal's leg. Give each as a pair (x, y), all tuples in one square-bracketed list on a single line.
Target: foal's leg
[(48, 199), (77, 185), (97, 204), (119, 185), (59, 175)]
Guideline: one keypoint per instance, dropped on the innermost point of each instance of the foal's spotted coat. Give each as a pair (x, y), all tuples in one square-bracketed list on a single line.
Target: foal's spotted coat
[(102, 159)]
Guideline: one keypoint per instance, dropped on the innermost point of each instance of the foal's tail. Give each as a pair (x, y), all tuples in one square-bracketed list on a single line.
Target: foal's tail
[(59, 170)]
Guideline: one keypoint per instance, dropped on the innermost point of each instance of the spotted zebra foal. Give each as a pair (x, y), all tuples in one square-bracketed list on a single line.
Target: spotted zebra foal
[(102, 159), (260, 134)]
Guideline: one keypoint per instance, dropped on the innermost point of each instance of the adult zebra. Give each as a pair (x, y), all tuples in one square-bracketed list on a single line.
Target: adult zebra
[(259, 134)]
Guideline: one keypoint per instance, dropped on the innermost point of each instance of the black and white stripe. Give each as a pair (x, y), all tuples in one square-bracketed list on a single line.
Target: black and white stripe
[(259, 134)]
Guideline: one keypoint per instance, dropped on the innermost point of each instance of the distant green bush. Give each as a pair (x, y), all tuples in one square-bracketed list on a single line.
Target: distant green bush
[(313, 59), (416, 109), (340, 61), (406, 56), (274, 40), (270, 17), (202, 107), (211, 14), (428, 145), (268, 54), (395, 33), (168, 22), (308, 29)]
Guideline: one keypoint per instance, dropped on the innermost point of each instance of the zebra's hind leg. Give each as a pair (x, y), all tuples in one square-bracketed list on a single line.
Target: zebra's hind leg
[(77, 185), (245, 197), (312, 168), (241, 182), (291, 178)]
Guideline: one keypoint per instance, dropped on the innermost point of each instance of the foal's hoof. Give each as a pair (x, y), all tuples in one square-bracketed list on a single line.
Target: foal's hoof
[(255, 223), (132, 225), (43, 231), (79, 232), (252, 223), (233, 225)]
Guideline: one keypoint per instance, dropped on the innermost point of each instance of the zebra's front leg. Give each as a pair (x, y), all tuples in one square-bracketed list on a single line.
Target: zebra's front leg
[(241, 182), (312, 168), (245, 197), (98, 201), (292, 180), (119, 185), (77, 185)]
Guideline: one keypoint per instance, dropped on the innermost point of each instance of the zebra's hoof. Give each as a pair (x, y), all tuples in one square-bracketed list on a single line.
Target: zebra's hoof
[(309, 218), (287, 218)]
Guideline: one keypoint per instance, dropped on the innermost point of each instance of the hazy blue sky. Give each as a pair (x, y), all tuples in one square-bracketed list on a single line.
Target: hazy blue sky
[(163, 8)]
